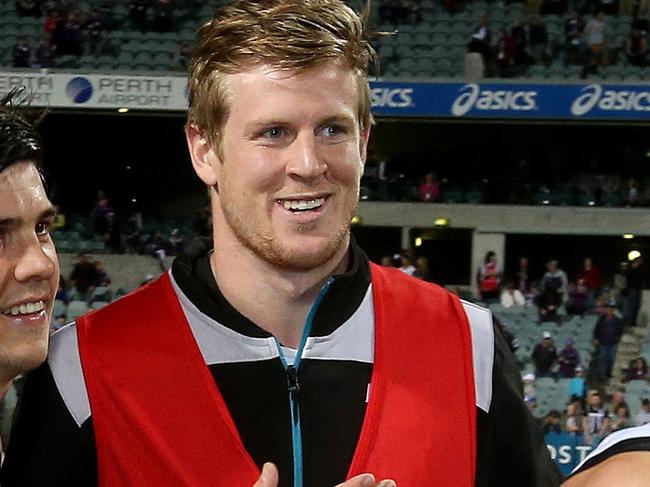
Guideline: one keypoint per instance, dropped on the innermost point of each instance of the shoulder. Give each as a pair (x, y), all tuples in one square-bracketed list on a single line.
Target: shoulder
[(619, 448), (629, 469)]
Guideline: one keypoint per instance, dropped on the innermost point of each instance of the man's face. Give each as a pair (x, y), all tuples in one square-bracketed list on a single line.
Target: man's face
[(29, 269), (291, 160)]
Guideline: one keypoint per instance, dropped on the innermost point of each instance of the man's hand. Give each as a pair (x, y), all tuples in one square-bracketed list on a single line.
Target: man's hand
[(269, 478)]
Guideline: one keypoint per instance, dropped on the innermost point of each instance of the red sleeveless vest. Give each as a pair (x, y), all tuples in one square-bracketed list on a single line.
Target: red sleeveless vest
[(174, 429)]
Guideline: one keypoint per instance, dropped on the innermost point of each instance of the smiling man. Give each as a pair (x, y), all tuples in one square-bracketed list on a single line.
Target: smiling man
[(277, 342), (29, 270)]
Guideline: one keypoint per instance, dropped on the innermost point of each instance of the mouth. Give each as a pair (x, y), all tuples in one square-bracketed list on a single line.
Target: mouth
[(302, 205), (24, 309)]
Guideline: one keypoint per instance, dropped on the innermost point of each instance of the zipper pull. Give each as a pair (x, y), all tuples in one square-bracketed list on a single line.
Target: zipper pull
[(292, 381)]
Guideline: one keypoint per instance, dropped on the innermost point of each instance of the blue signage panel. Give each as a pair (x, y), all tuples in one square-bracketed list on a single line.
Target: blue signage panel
[(567, 450), (511, 101)]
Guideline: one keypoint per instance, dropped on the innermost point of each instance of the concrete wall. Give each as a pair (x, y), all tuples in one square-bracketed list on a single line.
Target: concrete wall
[(511, 219)]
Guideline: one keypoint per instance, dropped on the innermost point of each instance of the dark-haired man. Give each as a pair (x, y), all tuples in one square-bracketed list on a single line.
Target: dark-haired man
[(29, 269)]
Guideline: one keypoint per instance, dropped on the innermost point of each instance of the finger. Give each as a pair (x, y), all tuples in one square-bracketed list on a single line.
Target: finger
[(268, 477), (363, 480), (387, 483)]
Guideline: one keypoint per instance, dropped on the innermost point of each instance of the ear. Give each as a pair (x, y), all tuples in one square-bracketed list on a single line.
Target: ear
[(204, 160)]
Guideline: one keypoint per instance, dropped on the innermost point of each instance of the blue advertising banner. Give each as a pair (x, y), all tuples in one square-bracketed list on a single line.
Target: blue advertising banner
[(511, 101), (567, 450)]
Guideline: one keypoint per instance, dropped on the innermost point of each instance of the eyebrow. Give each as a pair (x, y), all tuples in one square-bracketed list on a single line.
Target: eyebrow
[(16, 221)]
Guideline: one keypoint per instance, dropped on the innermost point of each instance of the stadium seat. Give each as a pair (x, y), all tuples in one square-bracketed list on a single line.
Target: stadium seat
[(59, 309), (77, 309)]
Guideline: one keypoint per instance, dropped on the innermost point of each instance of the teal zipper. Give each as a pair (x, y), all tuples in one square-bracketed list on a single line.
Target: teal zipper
[(294, 387)]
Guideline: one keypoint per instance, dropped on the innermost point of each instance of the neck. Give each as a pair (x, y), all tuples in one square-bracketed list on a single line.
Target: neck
[(277, 300)]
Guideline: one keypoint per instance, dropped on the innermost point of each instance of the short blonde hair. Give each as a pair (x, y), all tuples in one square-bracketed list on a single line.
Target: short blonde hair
[(284, 34)]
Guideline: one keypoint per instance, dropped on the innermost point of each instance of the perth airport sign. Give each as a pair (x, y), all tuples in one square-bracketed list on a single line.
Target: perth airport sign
[(524, 101)]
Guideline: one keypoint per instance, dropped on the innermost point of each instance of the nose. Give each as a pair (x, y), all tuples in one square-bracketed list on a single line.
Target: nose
[(306, 161), (34, 263)]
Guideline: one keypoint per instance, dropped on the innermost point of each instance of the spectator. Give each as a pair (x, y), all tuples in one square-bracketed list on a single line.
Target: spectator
[(548, 302), (618, 399), (522, 277), (577, 386), (635, 284), (528, 384), (93, 32), (21, 53), (184, 54), (511, 297), (520, 36), (573, 34), (538, 40), (481, 39), (595, 423), (72, 36), (99, 214), (429, 189), (28, 8), (596, 40), (479, 51), (45, 53), (592, 278), (555, 278), (632, 196), (578, 298), (552, 422), (175, 243), (489, 278), (103, 279), (638, 370), (132, 234), (407, 263), (568, 359), (619, 284), (572, 423), (607, 334), (422, 269), (609, 7), (636, 48), (505, 51), (554, 7), (620, 419), (107, 15), (162, 16), (544, 356), (643, 417), (83, 277), (138, 14)]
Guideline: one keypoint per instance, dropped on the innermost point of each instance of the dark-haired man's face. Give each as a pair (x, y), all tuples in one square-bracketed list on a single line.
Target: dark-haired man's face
[(29, 270)]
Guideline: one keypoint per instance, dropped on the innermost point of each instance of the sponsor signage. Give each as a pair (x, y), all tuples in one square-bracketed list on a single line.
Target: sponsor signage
[(512, 100), (567, 450), (429, 100), (99, 91)]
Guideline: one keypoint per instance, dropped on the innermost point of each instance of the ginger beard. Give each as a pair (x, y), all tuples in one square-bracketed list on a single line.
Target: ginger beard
[(273, 251)]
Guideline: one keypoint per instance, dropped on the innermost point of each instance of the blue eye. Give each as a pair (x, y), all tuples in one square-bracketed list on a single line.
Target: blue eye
[(274, 133)]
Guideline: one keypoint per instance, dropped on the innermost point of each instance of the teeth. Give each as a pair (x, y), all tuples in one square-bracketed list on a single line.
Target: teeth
[(24, 309), (302, 205)]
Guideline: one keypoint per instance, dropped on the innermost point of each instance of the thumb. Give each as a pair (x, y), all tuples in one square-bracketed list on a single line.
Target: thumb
[(363, 480), (268, 477)]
